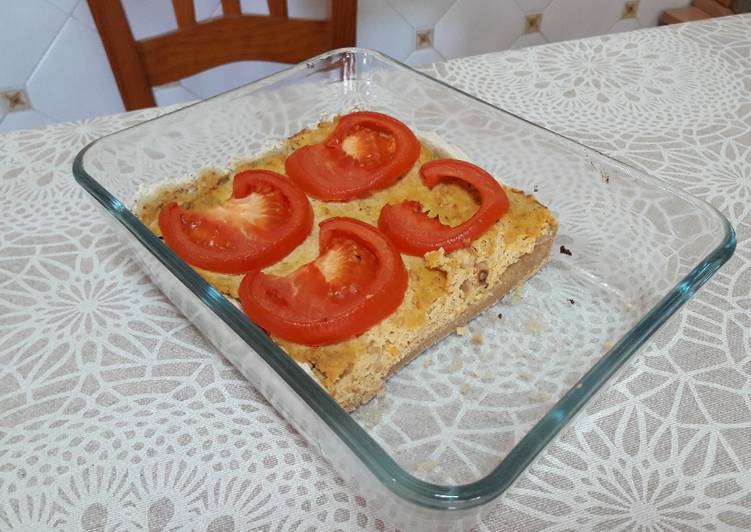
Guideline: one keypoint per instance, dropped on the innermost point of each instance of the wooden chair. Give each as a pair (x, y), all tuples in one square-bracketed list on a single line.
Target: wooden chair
[(703, 9), (196, 46)]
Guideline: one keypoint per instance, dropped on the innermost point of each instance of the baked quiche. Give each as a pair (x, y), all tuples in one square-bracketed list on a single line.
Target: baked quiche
[(355, 244)]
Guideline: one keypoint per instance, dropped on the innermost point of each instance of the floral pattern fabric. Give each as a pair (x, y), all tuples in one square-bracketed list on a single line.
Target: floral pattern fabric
[(115, 414)]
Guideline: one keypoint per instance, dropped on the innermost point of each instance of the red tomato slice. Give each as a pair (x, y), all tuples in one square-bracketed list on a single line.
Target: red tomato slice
[(366, 152), (415, 233), (267, 217), (357, 280)]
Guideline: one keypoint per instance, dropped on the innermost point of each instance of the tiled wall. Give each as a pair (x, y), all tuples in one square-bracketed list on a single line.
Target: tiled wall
[(53, 66)]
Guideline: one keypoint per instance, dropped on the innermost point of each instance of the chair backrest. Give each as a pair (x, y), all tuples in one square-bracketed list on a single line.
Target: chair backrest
[(196, 46)]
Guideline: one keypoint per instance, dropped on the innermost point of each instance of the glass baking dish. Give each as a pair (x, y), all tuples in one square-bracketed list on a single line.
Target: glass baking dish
[(462, 421)]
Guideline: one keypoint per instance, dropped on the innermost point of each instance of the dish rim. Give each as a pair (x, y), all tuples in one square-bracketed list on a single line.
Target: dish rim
[(378, 461)]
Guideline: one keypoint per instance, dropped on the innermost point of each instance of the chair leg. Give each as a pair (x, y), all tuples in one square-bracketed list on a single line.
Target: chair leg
[(344, 19), (122, 52)]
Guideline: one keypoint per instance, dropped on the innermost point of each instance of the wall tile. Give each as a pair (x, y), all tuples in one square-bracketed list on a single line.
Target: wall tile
[(173, 93), (535, 6), (77, 57), (424, 56), (649, 11), (205, 8), (24, 120), (383, 29), (65, 5), (82, 14), (419, 13), (529, 39), (564, 19), (254, 7), (149, 18), (27, 27), (317, 9), (478, 26), (625, 24), (75, 81), (142, 11), (227, 77)]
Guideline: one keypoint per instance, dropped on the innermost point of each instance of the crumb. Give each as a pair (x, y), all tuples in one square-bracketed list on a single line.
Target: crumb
[(534, 326), (526, 376), (565, 250), (629, 306), (426, 363), (500, 315), (461, 331), (476, 338), (465, 389), (570, 300), (607, 344), (604, 176)]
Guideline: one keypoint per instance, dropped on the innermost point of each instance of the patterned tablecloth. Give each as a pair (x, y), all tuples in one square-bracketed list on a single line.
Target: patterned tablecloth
[(115, 414)]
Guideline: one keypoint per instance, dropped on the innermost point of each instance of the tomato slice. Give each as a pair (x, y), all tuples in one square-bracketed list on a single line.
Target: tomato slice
[(267, 217), (366, 152), (357, 280), (415, 233)]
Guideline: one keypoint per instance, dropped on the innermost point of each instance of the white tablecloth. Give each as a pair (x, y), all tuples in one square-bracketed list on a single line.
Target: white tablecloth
[(116, 415)]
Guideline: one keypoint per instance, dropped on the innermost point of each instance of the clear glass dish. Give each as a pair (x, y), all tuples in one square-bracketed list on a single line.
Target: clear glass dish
[(462, 421)]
